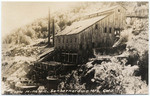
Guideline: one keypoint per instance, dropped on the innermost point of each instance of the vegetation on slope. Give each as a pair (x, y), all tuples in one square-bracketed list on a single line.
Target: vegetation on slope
[(128, 75), (39, 28), (114, 76)]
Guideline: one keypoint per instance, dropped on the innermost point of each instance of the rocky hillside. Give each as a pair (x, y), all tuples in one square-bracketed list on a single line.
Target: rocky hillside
[(39, 28), (121, 74)]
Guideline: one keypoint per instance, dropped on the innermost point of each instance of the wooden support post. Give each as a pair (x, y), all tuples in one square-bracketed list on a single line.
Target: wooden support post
[(76, 59), (72, 58), (53, 32), (68, 57), (49, 27), (64, 58)]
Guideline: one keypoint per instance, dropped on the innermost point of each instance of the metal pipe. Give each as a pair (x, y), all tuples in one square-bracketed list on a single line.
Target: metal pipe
[(49, 26), (53, 32)]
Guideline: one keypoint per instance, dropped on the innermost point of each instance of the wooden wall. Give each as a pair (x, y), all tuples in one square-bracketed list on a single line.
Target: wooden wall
[(69, 42), (95, 35)]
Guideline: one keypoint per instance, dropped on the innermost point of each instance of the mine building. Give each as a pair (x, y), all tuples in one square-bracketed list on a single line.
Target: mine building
[(97, 30)]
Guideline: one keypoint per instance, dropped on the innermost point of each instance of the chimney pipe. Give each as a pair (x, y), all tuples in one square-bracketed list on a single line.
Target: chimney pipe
[(49, 26), (53, 33)]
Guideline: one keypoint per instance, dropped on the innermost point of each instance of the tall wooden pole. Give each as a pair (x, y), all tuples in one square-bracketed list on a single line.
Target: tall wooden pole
[(49, 26), (53, 32)]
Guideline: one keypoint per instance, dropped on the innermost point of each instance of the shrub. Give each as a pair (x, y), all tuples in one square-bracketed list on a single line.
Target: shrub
[(30, 32), (8, 40), (25, 39), (143, 66)]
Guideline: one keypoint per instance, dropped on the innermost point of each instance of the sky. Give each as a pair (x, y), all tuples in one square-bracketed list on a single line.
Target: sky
[(17, 14)]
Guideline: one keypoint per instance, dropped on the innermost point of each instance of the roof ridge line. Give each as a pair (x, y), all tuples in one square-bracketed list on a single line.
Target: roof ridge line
[(92, 24), (85, 27)]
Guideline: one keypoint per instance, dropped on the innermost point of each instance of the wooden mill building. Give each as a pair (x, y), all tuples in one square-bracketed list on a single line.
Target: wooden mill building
[(96, 30)]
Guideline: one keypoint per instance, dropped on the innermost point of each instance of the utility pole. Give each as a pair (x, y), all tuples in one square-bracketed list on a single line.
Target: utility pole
[(49, 26), (53, 32)]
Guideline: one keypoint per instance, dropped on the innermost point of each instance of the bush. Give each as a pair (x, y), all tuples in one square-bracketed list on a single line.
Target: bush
[(62, 24), (25, 39), (8, 40), (143, 66), (30, 32), (109, 77)]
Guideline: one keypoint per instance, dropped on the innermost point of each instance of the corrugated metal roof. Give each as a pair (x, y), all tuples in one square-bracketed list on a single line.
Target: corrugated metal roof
[(77, 27)]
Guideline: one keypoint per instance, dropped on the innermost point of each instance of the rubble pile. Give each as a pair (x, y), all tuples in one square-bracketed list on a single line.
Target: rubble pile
[(17, 63), (122, 73), (23, 51), (108, 77)]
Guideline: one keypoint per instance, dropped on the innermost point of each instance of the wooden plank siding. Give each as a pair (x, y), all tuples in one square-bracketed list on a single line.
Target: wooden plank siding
[(94, 36)]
